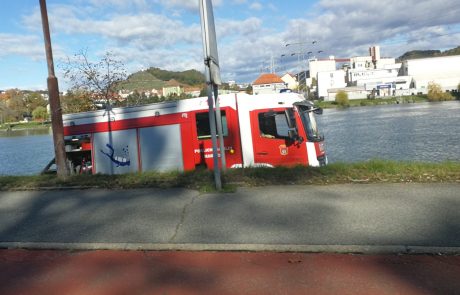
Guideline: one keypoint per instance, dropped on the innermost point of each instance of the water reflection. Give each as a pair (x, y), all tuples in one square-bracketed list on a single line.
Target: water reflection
[(411, 132), (25, 152), (26, 132)]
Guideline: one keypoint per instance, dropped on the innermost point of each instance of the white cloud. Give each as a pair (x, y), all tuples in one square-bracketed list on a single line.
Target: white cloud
[(147, 28), (184, 4), (240, 29), (256, 6), (118, 3), (23, 45)]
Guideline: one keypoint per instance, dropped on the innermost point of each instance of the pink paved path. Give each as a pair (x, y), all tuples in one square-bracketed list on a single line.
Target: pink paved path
[(139, 272)]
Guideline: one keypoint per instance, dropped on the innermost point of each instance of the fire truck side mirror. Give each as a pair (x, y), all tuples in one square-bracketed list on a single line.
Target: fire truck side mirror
[(318, 111)]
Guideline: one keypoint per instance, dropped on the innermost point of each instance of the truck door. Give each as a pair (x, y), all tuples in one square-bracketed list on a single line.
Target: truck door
[(203, 150), (271, 142)]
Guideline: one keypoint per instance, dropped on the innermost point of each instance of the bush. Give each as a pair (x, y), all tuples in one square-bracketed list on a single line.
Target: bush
[(40, 113), (342, 98), (435, 93)]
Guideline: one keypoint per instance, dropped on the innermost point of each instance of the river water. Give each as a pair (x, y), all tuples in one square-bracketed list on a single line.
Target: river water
[(428, 132)]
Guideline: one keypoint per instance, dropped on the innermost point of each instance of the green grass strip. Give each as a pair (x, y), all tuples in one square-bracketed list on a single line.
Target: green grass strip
[(375, 171)]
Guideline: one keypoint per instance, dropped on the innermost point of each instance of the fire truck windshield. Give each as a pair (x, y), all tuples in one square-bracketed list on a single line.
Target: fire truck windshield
[(309, 123)]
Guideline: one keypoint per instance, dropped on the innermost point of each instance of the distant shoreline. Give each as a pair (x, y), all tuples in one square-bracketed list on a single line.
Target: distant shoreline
[(5, 128)]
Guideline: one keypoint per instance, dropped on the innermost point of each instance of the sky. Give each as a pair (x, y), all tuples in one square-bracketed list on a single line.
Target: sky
[(167, 34)]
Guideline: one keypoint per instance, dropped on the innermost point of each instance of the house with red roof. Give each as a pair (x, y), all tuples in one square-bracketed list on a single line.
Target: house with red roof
[(268, 83)]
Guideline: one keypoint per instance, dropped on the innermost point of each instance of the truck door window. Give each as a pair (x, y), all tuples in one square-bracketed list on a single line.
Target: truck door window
[(273, 125), (202, 125)]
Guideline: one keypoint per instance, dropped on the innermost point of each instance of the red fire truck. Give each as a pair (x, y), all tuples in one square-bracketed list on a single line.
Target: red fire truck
[(259, 130)]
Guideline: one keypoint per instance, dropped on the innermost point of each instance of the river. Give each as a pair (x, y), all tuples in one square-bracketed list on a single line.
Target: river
[(428, 132)]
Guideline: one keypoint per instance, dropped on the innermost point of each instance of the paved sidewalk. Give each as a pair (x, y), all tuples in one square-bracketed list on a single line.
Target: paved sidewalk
[(138, 272), (398, 216)]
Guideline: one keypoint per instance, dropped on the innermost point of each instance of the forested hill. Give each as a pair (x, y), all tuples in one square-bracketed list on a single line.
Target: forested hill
[(189, 77), (428, 53), (155, 78)]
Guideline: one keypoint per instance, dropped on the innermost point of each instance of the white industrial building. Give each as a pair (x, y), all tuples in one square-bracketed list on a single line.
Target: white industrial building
[(321, 65), (328, 80), (380, 77), (444, 71)]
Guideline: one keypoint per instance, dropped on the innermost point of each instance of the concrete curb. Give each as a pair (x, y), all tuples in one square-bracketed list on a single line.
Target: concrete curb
[(342, 249)]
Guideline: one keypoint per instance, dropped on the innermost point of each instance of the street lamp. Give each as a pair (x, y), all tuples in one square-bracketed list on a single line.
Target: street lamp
[(300, 43)]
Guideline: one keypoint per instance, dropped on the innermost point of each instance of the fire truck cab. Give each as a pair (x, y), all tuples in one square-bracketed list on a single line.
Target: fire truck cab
[(259, 130)]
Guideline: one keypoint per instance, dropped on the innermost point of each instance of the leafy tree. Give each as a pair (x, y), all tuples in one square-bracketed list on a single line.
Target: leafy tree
[(33, 100), (76, 101), (136, 98), (98, 78), (4, 112), (342, 98), (204, 91), (249, 89), (435, 93), (40, 113), (15, 104)]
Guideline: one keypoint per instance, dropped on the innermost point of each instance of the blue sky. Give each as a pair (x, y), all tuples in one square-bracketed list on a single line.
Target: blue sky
[(167, 33)]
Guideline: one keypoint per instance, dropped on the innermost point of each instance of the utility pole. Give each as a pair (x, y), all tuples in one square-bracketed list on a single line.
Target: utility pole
[(213, 81), (302, 56), (63, 170)]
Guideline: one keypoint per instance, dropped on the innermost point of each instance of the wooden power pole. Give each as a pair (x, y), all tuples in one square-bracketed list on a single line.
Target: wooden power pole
[(55, 105)]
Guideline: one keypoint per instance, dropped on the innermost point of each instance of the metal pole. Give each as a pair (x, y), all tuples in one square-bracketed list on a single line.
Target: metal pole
[(212, 124), (55, 105), (220, 130)]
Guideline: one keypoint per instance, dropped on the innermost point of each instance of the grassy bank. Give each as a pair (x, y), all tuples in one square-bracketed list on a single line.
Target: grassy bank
[(377, 101), (375, 171), (23, 125)]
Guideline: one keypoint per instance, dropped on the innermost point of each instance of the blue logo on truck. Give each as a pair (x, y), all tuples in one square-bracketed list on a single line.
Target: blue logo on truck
[(118, 160)]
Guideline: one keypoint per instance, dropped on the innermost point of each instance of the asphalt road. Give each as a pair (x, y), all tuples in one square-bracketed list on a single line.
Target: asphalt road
[(355, 216)]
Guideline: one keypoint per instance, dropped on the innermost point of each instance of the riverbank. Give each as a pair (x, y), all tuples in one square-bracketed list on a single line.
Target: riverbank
[(375, 171), (23, 126), (374, 102)]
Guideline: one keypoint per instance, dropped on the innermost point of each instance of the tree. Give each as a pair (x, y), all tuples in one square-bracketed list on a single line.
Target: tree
[(435, 93), (33, 100), (97, 78), (341, 98), (249, 89), (15, 104), (40, 113), (136, 98), (76, 101)]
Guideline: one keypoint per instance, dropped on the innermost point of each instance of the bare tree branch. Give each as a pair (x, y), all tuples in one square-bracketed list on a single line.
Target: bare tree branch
[(98, 78)]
